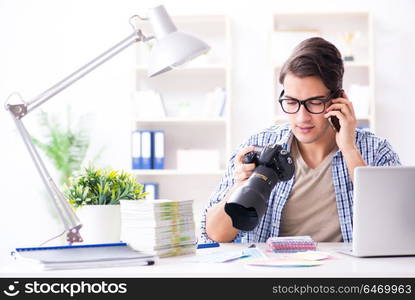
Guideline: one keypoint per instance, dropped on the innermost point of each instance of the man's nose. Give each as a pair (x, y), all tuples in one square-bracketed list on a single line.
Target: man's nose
[(303, 115)]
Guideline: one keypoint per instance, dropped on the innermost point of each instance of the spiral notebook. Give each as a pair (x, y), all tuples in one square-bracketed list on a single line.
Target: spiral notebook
[(83, 256)]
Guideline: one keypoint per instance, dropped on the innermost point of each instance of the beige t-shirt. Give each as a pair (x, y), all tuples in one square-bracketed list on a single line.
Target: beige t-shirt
[(311, 208)]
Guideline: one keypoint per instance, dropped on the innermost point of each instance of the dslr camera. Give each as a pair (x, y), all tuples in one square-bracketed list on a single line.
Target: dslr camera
[(248, 203)]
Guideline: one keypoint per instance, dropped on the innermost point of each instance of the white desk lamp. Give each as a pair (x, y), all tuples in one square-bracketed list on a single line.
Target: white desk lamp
[(172, 49)]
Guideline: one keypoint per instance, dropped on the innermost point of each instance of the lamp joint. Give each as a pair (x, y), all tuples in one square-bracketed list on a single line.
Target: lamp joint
[(18, 110)]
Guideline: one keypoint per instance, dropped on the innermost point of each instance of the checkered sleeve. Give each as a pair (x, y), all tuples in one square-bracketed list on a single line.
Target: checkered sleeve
[(385, 156), (219, 194)]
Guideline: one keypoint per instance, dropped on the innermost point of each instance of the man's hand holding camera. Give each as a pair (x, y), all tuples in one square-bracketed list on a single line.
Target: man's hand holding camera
[(243, 170)]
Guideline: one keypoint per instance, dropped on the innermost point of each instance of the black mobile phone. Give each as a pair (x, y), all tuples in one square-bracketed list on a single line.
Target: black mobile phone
[(335, 123), (333, 120)]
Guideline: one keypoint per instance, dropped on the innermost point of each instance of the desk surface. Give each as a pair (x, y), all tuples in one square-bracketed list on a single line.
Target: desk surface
[(339, 265)]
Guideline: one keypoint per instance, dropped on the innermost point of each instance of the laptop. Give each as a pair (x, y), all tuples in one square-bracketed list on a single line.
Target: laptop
[(384, 212)]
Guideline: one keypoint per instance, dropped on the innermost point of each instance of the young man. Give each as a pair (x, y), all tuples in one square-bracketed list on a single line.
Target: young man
[(318, 200)]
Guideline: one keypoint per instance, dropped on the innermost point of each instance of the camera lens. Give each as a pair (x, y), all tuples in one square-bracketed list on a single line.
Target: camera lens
[(248, 203)]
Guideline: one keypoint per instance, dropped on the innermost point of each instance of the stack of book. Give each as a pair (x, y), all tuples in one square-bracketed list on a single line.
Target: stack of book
[(291, 244), (163, 227)]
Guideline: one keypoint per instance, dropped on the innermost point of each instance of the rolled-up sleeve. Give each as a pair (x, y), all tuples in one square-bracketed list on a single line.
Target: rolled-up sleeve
[(219, 194), (385, 156)]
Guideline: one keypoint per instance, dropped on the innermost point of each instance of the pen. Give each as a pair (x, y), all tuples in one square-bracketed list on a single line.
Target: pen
[(208, 245)]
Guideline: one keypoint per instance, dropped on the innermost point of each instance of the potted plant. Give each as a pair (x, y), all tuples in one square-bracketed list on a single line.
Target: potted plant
[(65, 145), (95, 194)]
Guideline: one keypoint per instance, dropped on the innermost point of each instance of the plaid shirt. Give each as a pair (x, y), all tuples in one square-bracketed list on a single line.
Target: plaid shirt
[(374, 150)]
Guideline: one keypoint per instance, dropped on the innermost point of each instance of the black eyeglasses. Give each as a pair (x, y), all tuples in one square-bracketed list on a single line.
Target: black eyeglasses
[(314, 105)]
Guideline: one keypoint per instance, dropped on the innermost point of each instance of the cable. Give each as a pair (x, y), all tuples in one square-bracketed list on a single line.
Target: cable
[(52, 238)]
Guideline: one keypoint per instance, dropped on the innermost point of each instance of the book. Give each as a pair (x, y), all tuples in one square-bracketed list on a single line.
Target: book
[(83, 256)]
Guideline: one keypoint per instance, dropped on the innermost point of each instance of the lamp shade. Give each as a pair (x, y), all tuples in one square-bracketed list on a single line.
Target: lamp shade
[(173, 48)]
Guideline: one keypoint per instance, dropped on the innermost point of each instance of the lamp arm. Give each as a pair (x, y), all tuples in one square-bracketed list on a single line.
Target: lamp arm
[(81, 72), (66, 214), (68, 217)]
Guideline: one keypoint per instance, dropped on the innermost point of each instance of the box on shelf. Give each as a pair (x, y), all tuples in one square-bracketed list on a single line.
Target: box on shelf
[(148, 105), (214, 104), (198, 159)]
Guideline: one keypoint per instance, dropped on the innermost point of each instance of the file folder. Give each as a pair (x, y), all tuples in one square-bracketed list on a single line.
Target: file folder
[(152, 190), (158, 149), (146, 149), (137, 159)]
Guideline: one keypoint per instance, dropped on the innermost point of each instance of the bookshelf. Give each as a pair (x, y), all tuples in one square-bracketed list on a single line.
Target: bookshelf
[(190, 128), (290, 28)]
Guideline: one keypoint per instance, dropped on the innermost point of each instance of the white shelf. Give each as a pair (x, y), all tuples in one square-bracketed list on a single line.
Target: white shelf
[(364, 118), (356, 64), (175, 172), (331, 26), (207, 67), (197, 19), (347, 64), (282, 119), (303, 14), (184, 91), (189, 20), (193, 121)]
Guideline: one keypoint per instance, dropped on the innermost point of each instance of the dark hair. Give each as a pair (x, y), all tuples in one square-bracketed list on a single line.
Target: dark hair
[(316, 57)]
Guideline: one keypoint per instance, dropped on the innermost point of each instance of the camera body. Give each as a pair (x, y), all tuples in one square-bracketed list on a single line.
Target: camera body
[(274, 157), (248, 203)]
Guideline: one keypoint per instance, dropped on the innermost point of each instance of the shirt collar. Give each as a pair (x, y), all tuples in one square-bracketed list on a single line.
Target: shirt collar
[(287, 138)]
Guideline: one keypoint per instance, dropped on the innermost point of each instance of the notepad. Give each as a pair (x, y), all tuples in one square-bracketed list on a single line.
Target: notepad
[(284, 263), (291, 244), (83, 256), (311, 255)]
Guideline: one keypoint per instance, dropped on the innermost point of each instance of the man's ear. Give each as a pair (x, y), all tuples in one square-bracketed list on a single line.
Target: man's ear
[(344, 95)]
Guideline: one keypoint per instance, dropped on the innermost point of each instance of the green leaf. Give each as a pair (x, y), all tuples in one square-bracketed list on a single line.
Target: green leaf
[(64, 146), (103, 186)]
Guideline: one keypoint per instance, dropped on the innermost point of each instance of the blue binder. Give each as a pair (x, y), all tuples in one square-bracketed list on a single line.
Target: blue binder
[(158, 149), (146, 149), (137, 159), (152, 189)]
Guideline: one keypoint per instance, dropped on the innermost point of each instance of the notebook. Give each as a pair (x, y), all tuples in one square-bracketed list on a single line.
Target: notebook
[(83, 256), (291, 244), (283, 263)]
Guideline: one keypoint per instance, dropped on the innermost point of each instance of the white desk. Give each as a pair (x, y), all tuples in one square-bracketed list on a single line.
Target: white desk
[(340, 265)]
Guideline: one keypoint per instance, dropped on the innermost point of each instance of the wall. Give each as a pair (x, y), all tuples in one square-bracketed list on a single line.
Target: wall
[(44, 41)]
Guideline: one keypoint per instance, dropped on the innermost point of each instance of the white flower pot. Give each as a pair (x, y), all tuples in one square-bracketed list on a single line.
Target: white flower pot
[(100, 223)]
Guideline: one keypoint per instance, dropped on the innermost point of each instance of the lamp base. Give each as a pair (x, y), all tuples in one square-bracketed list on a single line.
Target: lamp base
[(73, 235)]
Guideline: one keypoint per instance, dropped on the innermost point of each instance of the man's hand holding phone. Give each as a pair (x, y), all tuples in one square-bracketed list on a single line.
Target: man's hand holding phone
[(342, 109)]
